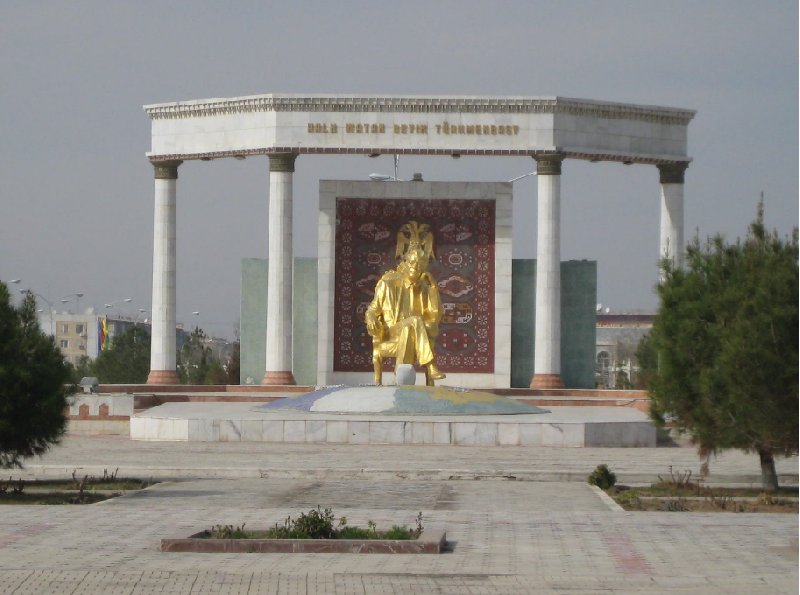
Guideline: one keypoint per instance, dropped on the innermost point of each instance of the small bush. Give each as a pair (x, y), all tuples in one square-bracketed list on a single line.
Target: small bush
[(602, 477), (399, 533), (629, 500), (15, 489), (355, 533), (317, 524), (227, 532), (679, 481), (675, 505)]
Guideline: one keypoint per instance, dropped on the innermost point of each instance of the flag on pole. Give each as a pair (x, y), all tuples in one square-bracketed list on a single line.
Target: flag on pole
[(102, 334)]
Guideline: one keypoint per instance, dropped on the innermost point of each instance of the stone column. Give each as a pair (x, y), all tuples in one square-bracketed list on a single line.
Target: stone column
[(671, 243), (547, 356), (162, 340), (279, 272)]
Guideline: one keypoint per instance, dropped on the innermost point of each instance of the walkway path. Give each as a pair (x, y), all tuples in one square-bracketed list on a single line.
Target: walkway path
[(320, 461), (506, 536)]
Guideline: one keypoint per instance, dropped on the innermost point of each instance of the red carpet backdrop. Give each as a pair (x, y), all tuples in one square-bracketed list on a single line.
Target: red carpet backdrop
[(366, 238)]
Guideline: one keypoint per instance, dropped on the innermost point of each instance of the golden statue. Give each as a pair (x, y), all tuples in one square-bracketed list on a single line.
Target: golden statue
[(403, 317)]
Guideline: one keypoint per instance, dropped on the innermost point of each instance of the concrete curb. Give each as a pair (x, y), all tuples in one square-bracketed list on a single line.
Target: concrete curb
[(334, 474), (430, 542), (607, 500)]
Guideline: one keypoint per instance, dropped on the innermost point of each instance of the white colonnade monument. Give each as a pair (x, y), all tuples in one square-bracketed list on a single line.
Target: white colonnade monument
[(550, 130)]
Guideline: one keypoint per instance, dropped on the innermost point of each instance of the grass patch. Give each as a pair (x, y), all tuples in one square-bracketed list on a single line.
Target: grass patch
[(694, 490), (678, 493), (316, 524), (669, 498), (85, 490), (54, 498), (122, 484), (631, 501)]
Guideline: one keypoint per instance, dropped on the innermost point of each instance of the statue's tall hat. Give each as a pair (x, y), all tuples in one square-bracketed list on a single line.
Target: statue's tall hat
[(415, 236)]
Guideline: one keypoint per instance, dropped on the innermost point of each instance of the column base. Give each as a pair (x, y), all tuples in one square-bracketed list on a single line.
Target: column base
[(163, 377), (546, 381), (278, 378)]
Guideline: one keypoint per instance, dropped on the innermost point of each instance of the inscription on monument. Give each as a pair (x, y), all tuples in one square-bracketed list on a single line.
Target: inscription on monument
[(445, 128)]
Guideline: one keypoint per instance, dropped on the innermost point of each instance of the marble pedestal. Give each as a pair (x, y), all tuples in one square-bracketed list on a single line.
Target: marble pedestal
[(239, 422)]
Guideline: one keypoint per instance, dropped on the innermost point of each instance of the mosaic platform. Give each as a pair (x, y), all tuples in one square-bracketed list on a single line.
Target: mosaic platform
[(400, 400)]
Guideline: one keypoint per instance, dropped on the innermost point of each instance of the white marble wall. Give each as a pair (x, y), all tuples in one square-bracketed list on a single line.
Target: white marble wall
[(117, 404), (279, 274), (160, 429), (163, 316), (524, 430), (500, 192), (671, 223), (547, 354), (261, 122), (589, 133)]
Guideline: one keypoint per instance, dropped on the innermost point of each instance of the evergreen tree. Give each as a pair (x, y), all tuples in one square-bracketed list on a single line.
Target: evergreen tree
[(725, 342), (233, 369), (83, 368), (33, 377), (196, 362), (127, 360)]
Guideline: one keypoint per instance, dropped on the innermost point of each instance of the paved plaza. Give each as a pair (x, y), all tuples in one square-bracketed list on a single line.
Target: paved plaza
[(518, 520)]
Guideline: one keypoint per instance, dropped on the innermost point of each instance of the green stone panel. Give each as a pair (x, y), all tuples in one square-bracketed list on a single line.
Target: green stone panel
[(578, 299), (253, 320), (523, 320), (305, 320), (578, 322)]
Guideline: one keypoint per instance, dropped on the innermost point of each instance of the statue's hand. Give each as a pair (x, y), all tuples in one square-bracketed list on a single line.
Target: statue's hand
[(428, 278), (375, 329)]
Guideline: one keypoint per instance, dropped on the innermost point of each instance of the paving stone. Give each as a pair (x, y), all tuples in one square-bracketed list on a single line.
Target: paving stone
[(506, 536)]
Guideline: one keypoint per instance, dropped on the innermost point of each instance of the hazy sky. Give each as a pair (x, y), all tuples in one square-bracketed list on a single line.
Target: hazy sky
[(76, 191)]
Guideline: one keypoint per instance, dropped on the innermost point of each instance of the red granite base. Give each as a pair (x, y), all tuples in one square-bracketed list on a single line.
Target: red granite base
[(278, 378), (546, 381), (188, 389), (430, 542), (163, 377)]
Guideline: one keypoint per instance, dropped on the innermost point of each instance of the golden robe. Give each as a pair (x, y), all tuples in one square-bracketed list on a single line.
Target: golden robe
[(404, 317)]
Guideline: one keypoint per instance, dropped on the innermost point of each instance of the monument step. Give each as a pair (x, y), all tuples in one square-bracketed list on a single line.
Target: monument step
[(242, 422)]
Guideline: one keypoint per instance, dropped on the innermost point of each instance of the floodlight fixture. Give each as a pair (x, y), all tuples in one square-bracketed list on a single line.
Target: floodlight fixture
[(530, 173)]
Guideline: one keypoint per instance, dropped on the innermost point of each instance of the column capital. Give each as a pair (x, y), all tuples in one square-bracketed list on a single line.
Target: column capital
[(282, 162), (166, 170), (548, 163), (672, 173)]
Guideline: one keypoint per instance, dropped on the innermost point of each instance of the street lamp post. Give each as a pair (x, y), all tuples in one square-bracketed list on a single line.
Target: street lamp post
[(12, 282), (66, 299), (530, 173), (112, 304), (384, 177), (49, 307), (142, 312)]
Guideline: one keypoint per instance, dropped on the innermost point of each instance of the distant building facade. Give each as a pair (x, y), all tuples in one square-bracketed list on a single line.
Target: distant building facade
[(79, 335), (618, 336)]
